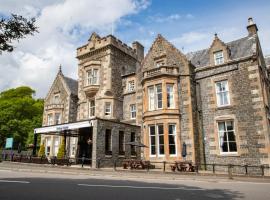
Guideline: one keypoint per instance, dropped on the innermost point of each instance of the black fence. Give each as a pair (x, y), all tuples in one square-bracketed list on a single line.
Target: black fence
[(186, 167)]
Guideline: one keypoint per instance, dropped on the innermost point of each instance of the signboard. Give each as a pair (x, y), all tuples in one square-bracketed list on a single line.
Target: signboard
[(9, 143)]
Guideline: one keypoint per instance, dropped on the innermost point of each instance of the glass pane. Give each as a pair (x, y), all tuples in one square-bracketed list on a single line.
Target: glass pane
[(233, 147), (229, 125), (153, 140), (161, 140), (152, 130), (172, 149), (221, 126), (224, 147), (161, 149), (171, 139), (231, 136), (153, 150)]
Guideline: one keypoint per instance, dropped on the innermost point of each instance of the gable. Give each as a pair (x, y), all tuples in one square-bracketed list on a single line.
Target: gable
[(163, 53)]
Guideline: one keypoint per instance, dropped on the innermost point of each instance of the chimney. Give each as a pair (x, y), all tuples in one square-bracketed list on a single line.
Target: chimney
[(252, 27), (139, 50)]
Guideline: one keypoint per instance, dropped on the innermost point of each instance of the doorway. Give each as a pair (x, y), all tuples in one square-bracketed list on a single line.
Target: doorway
[(85, 144)]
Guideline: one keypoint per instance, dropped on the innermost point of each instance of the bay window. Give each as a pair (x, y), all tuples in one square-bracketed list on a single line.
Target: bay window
[(92, 77), (92, 108), (161, 149), (152, 139)]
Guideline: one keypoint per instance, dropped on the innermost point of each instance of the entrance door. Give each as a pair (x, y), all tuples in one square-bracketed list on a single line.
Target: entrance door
[(85, 144)]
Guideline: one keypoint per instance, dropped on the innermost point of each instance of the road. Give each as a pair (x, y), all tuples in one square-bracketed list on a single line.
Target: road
[(16, 185)]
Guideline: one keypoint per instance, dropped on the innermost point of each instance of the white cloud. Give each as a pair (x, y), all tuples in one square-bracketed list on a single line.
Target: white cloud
[(62, 24)]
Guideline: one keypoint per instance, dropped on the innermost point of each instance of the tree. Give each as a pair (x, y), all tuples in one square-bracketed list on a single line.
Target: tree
[(20, 113), (14, 28), (61, 151), (41, 152)]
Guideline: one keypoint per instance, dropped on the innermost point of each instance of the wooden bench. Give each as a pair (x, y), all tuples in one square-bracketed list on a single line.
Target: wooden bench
[(183, 167)]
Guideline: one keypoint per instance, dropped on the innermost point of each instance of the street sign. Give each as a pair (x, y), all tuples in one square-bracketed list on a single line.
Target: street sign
[(9, 143)]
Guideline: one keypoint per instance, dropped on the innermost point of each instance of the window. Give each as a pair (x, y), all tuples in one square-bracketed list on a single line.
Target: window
[(227, 140), (92, 77), (121, 143), (107, 108), (151, 96), (131, 86), (152, 140), (56, 99), (73, 146), (133, 111), (170, 100), (160, 139), (172, 139), (50, 119), (155, 97), (159, 96), (92, 108), (133, 147), (108, 142), (222, 92), (218, 56), (57, 118), (48, 146), (56, 145)]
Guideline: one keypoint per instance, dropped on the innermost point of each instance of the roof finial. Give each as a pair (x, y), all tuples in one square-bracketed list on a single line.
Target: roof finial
[(216, 35), (60, 69)]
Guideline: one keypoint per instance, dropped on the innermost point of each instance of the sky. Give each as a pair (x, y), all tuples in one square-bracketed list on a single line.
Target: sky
[(65, 25)]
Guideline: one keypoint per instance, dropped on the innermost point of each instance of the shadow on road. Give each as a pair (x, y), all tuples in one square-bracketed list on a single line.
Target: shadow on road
[(97, 189)]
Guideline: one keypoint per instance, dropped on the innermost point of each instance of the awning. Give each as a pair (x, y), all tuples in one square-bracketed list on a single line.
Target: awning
[(63, 127)]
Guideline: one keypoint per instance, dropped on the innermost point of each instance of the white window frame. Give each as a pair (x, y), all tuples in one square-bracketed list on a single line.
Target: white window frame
[(50, 119), (108, 108), (72, 146), (131, 85), (219, 57), (150, 141), (56, 146), (48, 143), (170, 95), (91, 108), (175, 139), (220, 95), (57, 120), (133, 113), (158, 139), (92, 77), (220, 136), (153, 97)]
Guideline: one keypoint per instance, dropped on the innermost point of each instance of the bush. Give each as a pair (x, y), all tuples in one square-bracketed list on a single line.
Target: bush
[(61, 151), (41, 152)]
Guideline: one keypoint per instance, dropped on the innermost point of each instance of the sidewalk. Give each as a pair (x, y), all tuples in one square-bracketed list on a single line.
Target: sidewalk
[(120, 173)]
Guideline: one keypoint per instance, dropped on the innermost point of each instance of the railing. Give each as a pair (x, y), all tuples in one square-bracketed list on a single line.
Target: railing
[(229, 170), (171, 70)]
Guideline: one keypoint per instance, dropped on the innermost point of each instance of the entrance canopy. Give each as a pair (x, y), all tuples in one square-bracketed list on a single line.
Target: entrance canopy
[(63, 127)]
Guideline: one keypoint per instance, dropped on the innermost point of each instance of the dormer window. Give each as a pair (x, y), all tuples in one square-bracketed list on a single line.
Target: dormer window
[(56, 99), (92, 77), (219, 57)]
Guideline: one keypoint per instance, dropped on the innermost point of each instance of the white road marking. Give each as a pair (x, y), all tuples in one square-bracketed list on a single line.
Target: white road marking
[(7, 181), (140, 187)]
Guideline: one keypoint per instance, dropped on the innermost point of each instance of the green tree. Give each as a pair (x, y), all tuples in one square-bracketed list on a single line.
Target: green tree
[(14, 28), (61, 151), (41, 152), (20, 113)]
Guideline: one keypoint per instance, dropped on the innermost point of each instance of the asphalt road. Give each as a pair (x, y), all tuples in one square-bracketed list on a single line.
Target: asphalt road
[(44, 186)]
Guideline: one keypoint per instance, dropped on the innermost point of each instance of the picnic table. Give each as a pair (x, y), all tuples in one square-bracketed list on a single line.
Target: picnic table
[(135, 164), (183, 166)]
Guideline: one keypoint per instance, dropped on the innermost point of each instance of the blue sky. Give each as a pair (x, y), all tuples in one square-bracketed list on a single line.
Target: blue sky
[(65, 25)]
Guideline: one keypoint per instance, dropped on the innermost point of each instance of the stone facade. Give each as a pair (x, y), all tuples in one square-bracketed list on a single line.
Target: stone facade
[(208, 106)]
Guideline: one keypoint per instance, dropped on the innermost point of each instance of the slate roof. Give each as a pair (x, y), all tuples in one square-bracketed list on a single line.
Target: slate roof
[(242, 47), (267, 60), (72, 85)]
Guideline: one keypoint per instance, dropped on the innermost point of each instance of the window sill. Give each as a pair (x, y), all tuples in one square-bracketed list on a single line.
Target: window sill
[(229, 154), (130, 92), (108, 156), (224, 107)]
